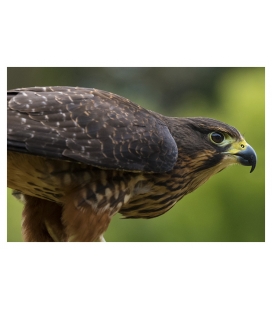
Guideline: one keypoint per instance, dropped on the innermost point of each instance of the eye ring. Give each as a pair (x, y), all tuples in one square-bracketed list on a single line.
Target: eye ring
[(217, 137)]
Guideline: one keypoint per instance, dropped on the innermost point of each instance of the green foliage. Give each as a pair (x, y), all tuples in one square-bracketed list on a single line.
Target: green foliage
[(14, 218), (231, 205)]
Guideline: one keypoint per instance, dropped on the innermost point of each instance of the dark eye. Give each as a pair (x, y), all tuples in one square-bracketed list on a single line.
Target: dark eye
[(217, 137)]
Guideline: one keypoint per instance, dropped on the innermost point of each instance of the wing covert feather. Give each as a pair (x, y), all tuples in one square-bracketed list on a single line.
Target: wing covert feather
[(89, 126)]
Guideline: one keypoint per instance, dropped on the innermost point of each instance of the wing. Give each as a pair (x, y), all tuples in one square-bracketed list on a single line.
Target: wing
[(89, 126)]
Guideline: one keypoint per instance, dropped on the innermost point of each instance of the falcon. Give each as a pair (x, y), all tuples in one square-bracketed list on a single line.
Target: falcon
[(77, 156)]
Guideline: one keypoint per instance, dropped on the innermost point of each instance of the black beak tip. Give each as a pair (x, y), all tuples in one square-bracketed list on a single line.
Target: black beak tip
[(253, 166)]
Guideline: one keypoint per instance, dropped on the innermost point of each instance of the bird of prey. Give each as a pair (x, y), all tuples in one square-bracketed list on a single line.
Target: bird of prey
[(77, 156)]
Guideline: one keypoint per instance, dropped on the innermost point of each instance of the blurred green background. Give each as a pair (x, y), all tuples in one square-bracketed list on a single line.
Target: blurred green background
[(231, 205)]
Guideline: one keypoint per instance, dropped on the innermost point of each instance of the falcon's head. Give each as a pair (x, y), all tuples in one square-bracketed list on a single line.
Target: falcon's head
[(207, 146)]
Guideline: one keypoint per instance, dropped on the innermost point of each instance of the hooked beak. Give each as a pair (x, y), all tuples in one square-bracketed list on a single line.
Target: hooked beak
[(247, 157), (243, 153)]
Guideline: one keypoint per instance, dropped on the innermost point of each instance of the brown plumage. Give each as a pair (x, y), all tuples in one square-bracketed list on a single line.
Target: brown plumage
[(78, 156)]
